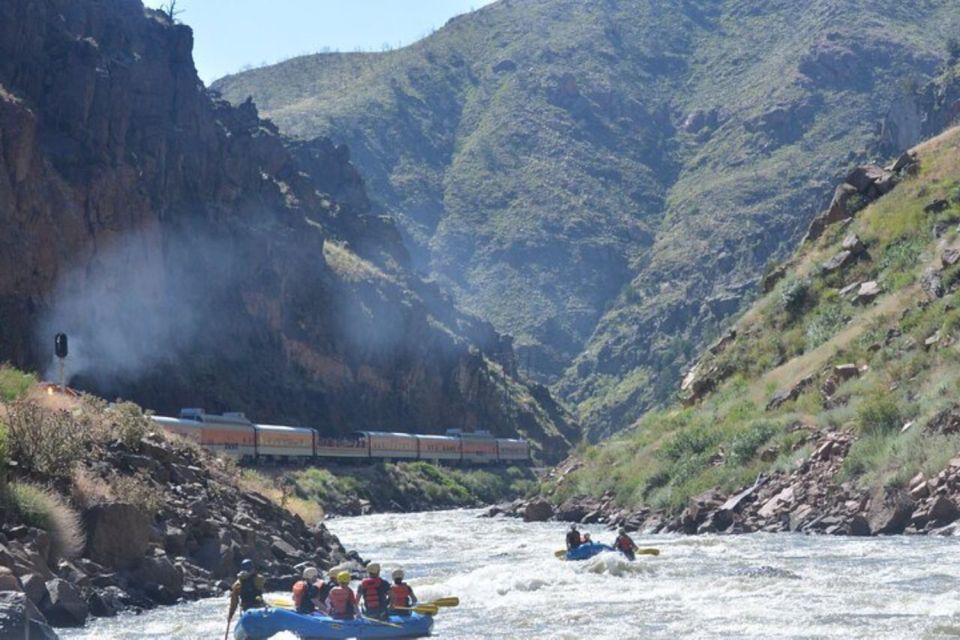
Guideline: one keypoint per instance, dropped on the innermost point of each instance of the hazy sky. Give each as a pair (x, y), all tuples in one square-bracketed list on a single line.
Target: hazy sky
[(232, 33)]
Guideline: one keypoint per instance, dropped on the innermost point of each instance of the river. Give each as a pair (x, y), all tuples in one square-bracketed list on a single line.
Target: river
[(752, 586)]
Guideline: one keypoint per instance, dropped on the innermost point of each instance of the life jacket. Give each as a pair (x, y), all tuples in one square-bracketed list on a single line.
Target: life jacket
[(401, 595), (304, 594), (342, 603), (573, 540), (624, 543), (251, 596), (374, 590)]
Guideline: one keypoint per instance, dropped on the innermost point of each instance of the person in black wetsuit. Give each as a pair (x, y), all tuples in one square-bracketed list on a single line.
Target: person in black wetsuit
[(573, 538)]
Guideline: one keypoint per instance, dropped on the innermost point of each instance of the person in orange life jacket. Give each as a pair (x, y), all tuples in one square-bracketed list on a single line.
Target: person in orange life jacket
[(327, 586), (373, 591), (247, 591), (341, 603), (401, 595), (625, 544), (573, 538), (306, 592)]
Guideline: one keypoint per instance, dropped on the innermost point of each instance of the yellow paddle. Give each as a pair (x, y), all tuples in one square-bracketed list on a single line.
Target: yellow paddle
[(425, 608), (449, 601)]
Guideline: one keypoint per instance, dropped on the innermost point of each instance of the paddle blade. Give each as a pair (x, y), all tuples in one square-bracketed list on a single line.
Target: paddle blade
[(650, 551), (426, 609), (449, 601), (280, 603), (560, 553)]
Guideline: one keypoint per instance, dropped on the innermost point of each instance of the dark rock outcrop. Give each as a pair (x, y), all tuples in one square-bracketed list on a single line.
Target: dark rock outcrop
[(121, 172), (20, 619)]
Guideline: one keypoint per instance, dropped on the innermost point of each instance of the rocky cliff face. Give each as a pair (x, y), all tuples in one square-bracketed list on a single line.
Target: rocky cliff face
[(606, 181), (195, 259)]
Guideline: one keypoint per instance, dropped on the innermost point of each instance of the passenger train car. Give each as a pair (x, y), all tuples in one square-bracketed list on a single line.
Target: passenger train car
[(234, 435)]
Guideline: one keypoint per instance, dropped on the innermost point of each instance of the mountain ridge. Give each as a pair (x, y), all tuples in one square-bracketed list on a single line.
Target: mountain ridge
[(605, 181)]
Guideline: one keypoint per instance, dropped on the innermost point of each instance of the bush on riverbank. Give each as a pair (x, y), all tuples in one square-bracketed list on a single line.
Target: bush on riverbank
[(40, 507)]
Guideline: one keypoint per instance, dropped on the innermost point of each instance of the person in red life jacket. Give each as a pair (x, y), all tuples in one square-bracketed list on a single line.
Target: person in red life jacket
[(341, 603), (401, 595), (573, 538), (372, 592), (625, 544), (306, 592)]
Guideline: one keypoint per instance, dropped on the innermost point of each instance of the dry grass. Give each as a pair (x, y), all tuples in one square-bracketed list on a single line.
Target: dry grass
[(279, 490), (39, 507), (87, 489), (349, 265)]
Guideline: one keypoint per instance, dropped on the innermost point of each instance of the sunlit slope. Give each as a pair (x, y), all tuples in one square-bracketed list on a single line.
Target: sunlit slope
[(820, 353), (605, 181)]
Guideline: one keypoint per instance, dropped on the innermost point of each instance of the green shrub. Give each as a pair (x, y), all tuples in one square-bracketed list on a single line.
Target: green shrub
[(879, 413), (126, 422), (14, 383), (41, 508), (746, 443), (689, 442), (794, 295), (824, 325), (45, 441)]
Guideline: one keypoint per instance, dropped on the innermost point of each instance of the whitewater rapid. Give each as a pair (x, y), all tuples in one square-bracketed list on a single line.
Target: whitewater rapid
[(511, 586)]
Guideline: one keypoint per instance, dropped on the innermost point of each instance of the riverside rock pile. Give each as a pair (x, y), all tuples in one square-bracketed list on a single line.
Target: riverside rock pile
[(190, 548), (811, 499)]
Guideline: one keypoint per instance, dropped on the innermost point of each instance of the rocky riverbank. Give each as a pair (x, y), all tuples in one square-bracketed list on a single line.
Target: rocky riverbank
[(139, 520), (813, 498), (400, 487)]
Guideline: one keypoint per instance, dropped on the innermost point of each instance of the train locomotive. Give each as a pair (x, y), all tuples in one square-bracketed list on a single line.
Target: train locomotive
[(234, 435)]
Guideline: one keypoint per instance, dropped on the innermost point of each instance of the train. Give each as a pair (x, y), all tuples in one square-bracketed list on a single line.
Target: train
[(233, 434)]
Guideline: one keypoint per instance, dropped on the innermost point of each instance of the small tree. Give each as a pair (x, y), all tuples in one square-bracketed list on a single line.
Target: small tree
[(170, 10)]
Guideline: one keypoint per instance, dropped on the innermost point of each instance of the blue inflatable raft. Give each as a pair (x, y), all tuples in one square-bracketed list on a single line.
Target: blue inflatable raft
[(587, 550), (259, 624)]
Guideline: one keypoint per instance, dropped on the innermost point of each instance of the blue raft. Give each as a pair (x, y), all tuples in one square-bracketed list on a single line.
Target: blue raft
[(259, 624), (587, 550)]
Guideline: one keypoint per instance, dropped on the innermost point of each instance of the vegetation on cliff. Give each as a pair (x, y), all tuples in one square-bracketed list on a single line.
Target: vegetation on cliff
[(125, 179), (606, 181), (852, 357)]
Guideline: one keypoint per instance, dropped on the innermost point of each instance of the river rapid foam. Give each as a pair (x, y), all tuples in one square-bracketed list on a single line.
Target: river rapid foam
[(751, 586)]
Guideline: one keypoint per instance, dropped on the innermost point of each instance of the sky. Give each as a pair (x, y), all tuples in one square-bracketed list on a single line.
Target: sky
[(229, 34)]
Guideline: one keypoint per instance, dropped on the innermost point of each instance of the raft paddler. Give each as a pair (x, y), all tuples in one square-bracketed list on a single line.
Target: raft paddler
[(400, 595), (247, 591), (573, 538), (625, 544), (372, 592), (306, 592), (341, 603)]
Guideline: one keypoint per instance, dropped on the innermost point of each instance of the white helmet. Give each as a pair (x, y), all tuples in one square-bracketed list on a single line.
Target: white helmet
[(310, 574)]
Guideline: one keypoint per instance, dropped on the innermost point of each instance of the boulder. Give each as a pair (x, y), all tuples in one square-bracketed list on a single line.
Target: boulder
[(846, 371), (865, 177), (859, 526), (9, 581), (118, 534), (20, 619), (931, 283), (771, 279), (942, 511), (537, 511), (162, 580), (889, 512), (853, 244), (868, 291), (35, 587), (63, 605), (838, 262), (950, 257), (905, 160)]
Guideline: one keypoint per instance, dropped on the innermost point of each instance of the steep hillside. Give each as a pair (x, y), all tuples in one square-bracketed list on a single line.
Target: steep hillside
[(606, 180), (832, 403), (196, 259)]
